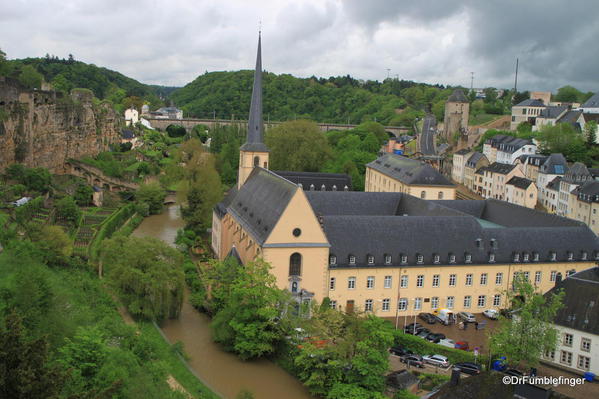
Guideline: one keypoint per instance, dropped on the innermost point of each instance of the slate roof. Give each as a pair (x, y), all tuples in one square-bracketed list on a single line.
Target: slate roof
[(533, 159), (552, 111), (409, 171), (463, 151), (221, 207), (577, 173), (501, 168), (507, 143), (457, 97), (331, 181), (353, 203), (592, 102), (530, 103), (474, 158), (570, 117), (520, 182), (554, 184), (260, 202), (555, 164), (588, 192), (581, 301)]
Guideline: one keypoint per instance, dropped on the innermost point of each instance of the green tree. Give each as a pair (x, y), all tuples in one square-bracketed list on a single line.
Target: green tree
[(37, 179), (83, 194), (563, 138), (55, 244), (352, 391), (30, 77), (370, 143), (61, 83), (569, 94), (67, 209), (3, 63), (530, 333), (148, 275), (297, 146), (153, 195), (490, 95), (590, 131)]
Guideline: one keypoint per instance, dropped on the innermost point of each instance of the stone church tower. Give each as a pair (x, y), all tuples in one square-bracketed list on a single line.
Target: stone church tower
[(457, 111), (254, 152)]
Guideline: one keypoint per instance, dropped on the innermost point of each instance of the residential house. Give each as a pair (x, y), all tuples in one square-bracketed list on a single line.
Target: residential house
[(584, 204), (551, 195), (526, 111), (530, 165), (459, 165), (506, 149), (576, 175), (555, 165), (131, 116), (521, 191), (495, 178), (591, 106), (549, 116), (167, 113), (476, 161)]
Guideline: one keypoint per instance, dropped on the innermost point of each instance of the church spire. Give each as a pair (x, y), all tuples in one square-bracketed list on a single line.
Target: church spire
[(255, 141)]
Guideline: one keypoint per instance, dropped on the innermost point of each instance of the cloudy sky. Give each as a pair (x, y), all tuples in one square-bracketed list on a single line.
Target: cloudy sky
[(433, 41)]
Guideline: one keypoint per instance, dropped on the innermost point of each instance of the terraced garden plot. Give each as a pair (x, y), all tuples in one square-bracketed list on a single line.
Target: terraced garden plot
[(90, 224)]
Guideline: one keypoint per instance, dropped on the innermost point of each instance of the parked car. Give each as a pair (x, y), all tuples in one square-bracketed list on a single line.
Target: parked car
[(413, 328), (491, 314), (400, 351), (467, 317), (437, 360), (462, 345), (428, 317), (447, 342), (423, 333), (468, 368), (435, 337), (412, 360)]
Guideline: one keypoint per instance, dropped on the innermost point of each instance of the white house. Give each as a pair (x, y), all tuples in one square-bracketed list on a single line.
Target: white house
[(506, 149), (131, 116), (554, 166), (574, 177), (577, 323)]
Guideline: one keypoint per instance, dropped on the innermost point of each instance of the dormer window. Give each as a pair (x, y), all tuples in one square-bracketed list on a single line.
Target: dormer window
[(491, 257), (404, 259), (583, 255), (479, 242), (352, 260), (419, 259), (436, 259), (370, 259), (451, 258), (311, 187), (387, 259), (535, 256), (332, 260), (467, 258), (516, 257), (552, 256), (525, 257), (334, 187), (570, 255), (493, 243), (596, 255)]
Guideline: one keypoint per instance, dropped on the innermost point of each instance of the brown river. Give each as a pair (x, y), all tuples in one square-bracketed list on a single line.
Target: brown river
[(223, 372)]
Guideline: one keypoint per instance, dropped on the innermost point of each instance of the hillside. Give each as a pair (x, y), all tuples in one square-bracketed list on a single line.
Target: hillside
[(336, 99)]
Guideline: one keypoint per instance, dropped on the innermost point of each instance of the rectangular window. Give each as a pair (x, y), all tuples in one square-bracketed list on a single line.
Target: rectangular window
[(402, 304), (450, 302), (420, 280), (368, 305), (434, 302), (526, 276), (469, 279), (550, 355), (483, 279), (387, 282), (568, 339), (468, 258), (497, 300), (370, 282), (538, 275), (585, 344), (352, 260), (436, 279), (467, 301), (420, 259), (370, 260), (404, 281), (386, 305), (417, 303), (499, 278), (553, 276), (566, 358), (351, 283), (332, 283), (452, 280), (482, 301), (404, 259), (584, 362), (333, 304), (388, 259)]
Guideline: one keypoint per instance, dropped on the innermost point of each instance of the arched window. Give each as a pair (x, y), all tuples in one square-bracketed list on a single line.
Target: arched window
[(423, 194), (294, 286), (256, 161), (295, 264), (440, 196)]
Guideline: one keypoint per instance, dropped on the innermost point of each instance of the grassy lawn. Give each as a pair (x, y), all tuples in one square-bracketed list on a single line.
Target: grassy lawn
[(482, 118)]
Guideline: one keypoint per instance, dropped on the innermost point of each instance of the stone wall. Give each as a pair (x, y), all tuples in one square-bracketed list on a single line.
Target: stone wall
[(45, 128)]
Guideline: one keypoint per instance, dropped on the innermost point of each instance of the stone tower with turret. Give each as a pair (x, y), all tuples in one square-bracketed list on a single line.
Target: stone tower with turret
[(457, 111), (254, 152)]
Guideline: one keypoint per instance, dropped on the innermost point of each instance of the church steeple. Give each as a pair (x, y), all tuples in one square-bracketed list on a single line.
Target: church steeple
[(254, 152)]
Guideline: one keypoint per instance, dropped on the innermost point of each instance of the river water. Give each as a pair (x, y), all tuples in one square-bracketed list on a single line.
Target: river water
[(221, 371)]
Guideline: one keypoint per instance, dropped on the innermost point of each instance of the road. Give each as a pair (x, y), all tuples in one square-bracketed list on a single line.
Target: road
[(427, 142)]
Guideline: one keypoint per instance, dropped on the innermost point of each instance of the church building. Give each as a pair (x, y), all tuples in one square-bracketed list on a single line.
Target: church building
[(389, 253)]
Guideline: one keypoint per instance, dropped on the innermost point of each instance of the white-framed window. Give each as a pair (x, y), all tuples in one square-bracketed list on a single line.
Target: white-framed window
[(419, 259), (538, 276), (583, 255), (568, 339), (535, 256), (584, 362), (491, 257), (370, 282), (526, 276), (497, 300), (386, 305), (525, 257), (499, 278), (435, 302), (552, 256), (403, 282), (352, 260), (585, 344), (333, 304), (332, 260), (436, 259), (417, 303), (483, 279), (370, 259), (451, 258), (566, 357), (402, 304), (436, 280), (553, 276), (467, 258), (469, 279), (387, 282), (420, 280), (332, 282), (467, 301), (387, 259), (351, 283), (482, 301), (452, 280), (450, 302), (570, 256), (368, 305), (516, 257), (404, 259)]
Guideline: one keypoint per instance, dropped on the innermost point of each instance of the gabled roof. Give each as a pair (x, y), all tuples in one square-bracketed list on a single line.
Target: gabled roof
[(577, 173), (554, 184), (588, 192), (330, 181), (353, 203), (530, 103), (570, 117), (474, 158), (260, 202), (552, 111), (520, 182), (556, 164), (409, 171), (501, 168), (457, 97), (592, 102), (581, 301)]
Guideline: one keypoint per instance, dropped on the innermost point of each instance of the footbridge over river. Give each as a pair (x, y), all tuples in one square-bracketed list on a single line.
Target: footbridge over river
[(190, 123)]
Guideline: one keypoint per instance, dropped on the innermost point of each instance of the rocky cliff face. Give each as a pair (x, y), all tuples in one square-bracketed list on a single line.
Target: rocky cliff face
[(45, 128)]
